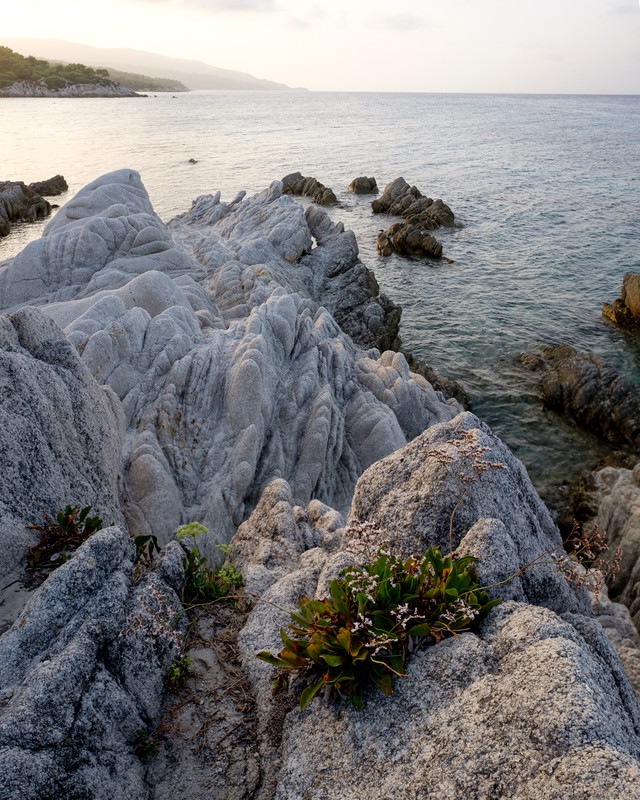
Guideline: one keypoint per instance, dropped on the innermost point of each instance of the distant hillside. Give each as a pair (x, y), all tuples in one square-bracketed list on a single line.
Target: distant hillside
[(15, 67), (194, 74)]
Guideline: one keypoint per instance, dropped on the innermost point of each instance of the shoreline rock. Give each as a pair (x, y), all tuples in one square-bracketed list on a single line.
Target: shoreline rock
[(625, 310), (22, 203), (363, 185), (295, 183), (421, 214), (39, 88)]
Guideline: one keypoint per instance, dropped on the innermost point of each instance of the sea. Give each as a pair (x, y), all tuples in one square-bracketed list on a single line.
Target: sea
[(546, 189)]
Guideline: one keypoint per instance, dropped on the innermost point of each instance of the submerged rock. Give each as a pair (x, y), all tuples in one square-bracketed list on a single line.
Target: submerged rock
[(407, 239), (583, 388), (22, 203), (625, 310), (295, 183)]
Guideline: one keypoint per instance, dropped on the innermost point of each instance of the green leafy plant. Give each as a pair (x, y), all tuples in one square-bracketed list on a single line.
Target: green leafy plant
[(145, 745), (201, 582), (61, 535), (147, 548), (375, 615), (178, 673)]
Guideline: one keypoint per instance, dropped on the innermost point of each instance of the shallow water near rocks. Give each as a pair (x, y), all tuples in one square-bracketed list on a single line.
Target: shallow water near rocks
[(547, 189)]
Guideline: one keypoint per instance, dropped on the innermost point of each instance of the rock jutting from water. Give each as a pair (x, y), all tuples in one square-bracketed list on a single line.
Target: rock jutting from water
[(296, 184), (363, 185), (198, 371), (625, 310), (583, 388), (22, 203), (421, 215)]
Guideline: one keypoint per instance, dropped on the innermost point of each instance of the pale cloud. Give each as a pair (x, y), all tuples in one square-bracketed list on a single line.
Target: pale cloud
[(219, 5), (404, 22)]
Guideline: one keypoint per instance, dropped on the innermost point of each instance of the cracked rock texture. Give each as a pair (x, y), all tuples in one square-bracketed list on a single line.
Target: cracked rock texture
[(534, 704), (217, 336)]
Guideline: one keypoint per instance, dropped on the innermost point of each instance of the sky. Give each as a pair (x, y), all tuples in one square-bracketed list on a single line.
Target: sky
[(548, 46)]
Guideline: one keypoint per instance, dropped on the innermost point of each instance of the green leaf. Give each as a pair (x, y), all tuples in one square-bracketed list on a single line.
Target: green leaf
[(423, 629), (339, 596), (331, 660), (271, 659), (309, 693)]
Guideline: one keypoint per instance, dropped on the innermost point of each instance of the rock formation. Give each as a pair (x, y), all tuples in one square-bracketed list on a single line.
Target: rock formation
[(582, 387), (421, 214), (217, 337), (22, 203), (297, 184), (197, 371), (39, 88), (625, 310), (363, 185)]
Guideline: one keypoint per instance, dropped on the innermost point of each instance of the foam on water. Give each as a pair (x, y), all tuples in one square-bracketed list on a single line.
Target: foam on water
[(547, 188)]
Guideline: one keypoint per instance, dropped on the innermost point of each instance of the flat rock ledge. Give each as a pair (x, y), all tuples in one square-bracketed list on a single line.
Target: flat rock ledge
[(20, 202), (625, 310), (421, 215), (296, 184)]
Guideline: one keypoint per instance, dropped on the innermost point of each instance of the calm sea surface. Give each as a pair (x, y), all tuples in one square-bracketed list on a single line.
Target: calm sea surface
[(547, 189)]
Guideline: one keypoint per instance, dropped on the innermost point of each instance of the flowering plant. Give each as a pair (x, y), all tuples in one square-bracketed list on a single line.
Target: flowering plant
[(375, 614)]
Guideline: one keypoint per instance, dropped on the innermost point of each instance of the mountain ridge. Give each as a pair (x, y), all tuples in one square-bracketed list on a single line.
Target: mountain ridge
[(194, 74)]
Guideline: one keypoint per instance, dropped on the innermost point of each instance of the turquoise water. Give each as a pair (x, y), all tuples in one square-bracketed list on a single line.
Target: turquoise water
[(547, 189)]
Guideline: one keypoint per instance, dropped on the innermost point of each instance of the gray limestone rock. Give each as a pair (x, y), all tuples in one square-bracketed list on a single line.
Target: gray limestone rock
[(533, 704), (62, 432), (81, 674), (218, 338)]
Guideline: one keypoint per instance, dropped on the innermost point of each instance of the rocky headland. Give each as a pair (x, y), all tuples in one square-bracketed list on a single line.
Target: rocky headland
[(232, 368), (40, 88)]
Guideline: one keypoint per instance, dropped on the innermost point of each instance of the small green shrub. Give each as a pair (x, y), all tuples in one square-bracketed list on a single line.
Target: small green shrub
[(178, 673), (147, 548), (201, 582), (145, 745), (61, 536), (375, 614)]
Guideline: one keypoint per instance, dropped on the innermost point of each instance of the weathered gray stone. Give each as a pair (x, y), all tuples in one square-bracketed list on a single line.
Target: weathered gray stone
[(62, 433), (535, 691), (295, 183), (81, 674)]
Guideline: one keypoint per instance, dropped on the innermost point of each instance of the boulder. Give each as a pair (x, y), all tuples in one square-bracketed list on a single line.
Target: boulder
[(295, 183), (583, 388), (407, 239), (421, 215), (531, 703), (363, 185), (625, 310), (81, 675), (51, 187), (19, 203)]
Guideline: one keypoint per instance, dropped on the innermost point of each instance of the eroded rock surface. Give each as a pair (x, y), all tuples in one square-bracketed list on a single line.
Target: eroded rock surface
[(81, 675), (536, 691), (62, 433), (421, 215), (582, 387), (295, 183), (625, 310), (217, 336), (22, 203)]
